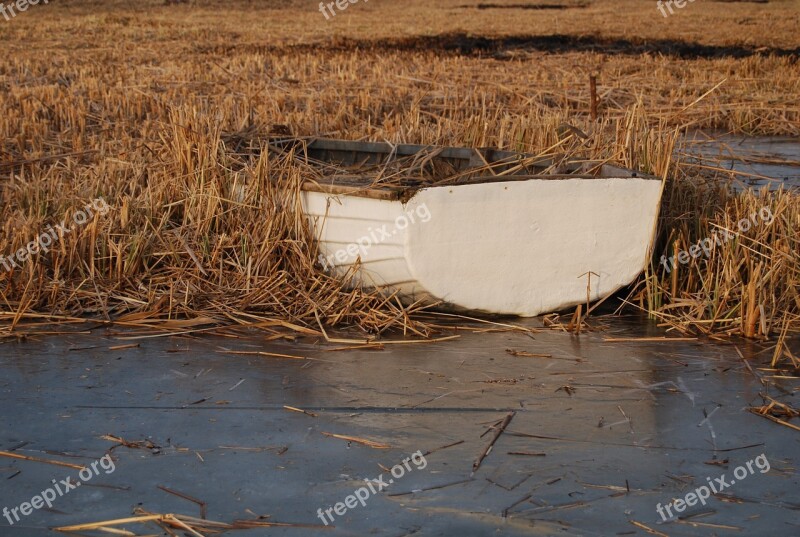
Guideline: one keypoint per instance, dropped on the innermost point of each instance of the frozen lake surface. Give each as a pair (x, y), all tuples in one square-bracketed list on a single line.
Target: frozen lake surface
[(758, 161), (602, 432)]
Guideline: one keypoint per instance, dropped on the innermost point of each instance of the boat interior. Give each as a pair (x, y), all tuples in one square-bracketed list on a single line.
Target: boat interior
[(396, 171)]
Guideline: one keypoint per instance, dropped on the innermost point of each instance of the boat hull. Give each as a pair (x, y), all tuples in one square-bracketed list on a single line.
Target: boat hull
[(517, 247)]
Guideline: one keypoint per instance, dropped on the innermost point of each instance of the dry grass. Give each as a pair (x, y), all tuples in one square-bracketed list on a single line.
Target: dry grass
[(168, 28), (164, 112), (748, 285)]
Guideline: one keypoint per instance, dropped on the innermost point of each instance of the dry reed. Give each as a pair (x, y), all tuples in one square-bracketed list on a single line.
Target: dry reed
[(205, 228)]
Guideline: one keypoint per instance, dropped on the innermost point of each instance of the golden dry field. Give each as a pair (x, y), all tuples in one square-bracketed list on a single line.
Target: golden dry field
[(162, 110)]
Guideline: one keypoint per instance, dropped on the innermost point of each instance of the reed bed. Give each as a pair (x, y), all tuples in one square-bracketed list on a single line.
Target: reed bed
[(206, 225), (171, 129), (749, 283), (181, 247)]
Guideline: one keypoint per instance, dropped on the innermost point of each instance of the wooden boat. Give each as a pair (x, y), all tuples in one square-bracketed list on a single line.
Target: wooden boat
[(478, 229)]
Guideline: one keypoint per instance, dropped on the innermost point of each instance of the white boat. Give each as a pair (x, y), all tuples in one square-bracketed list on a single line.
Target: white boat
[(506, 233)]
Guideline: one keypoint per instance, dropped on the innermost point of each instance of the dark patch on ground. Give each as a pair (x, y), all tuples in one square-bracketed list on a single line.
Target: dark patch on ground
[(499, 47), (524, 6), (558, 43)]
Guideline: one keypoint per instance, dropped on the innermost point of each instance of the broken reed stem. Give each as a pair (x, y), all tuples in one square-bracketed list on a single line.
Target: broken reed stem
[(488, 449), (37, 459), (357, 440)]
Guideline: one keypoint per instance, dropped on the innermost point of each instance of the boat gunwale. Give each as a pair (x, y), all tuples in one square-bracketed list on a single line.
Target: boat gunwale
[(400, 193)]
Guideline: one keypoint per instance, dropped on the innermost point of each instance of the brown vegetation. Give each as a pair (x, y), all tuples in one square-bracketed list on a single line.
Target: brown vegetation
[(152, 107)]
